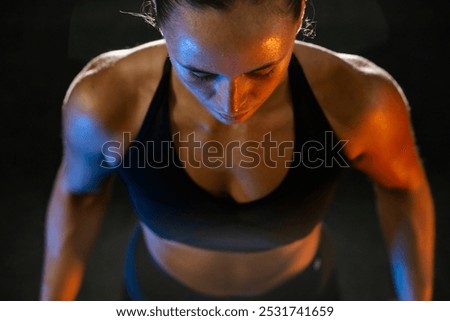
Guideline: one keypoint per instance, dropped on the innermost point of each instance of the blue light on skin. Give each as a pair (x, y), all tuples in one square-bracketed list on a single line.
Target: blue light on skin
[(400, 271), (81, 171), (84, 137)]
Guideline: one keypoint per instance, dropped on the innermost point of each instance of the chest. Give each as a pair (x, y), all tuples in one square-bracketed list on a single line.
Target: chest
[(245, 162)]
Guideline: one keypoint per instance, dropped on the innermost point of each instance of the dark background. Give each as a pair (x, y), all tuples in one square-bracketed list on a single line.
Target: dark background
[(45, 44)]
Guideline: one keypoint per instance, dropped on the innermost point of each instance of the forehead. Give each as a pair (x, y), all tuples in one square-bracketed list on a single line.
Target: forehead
[(244, 34)]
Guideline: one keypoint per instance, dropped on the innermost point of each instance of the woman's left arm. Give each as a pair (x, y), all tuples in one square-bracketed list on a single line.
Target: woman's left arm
[(407, 221), (387, 153)]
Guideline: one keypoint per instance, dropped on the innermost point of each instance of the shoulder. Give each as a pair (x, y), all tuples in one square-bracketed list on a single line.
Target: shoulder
[(354, 93), (108, 97), (349, 86), (367, 108), (111, 94), (113, 86)]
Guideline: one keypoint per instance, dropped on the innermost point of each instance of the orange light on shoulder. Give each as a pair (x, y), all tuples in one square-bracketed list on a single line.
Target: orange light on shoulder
[(389, 153)]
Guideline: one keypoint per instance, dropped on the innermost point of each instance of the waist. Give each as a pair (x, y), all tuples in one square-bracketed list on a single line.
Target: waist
[(228, 273)]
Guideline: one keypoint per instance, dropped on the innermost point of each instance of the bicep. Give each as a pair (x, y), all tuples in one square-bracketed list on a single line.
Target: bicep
[(84, 165), (388, 151)]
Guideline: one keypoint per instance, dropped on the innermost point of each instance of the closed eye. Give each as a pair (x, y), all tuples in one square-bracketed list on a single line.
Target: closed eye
[(202, 75), (262, 74)]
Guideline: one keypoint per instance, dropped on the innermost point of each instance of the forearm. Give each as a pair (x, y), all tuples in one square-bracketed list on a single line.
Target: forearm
[(407, 221), (73, 222), (62, 276)]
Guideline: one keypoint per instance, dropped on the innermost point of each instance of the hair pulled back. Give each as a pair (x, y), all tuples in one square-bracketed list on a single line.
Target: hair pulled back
[(157, 12)]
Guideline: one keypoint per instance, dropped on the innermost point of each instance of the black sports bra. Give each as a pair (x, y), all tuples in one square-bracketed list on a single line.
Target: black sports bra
[(171, 204)]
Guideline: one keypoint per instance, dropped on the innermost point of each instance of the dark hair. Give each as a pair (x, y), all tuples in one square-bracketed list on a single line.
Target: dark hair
[(159, 15)]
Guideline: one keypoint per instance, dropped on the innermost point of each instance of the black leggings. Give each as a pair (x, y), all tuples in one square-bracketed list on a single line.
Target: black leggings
[(145, 279)]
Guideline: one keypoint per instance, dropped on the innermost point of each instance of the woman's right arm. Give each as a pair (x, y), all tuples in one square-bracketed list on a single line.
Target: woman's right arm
[(73, 222), (105, 100), (78, 200)]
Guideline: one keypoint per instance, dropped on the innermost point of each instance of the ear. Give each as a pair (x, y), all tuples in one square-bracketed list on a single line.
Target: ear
[(299, 22), (302, 8)]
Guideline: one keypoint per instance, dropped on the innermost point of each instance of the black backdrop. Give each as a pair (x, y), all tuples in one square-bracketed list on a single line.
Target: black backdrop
[(45, 43)]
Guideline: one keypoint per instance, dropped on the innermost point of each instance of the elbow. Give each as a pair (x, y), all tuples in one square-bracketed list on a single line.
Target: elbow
[(404, 182)]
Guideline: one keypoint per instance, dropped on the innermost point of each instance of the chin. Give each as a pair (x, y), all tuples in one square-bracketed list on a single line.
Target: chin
[(233, 119)]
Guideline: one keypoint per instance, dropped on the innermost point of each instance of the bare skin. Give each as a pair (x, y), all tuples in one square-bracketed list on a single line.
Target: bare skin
[(361, 102)]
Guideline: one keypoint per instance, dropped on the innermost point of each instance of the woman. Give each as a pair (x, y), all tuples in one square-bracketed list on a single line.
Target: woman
[(230, 136)]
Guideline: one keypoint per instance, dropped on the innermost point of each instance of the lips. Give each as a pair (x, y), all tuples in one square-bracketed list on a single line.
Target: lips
[(233, 116)]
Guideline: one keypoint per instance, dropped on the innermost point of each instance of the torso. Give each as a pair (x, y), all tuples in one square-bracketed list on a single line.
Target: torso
[(227, 272)]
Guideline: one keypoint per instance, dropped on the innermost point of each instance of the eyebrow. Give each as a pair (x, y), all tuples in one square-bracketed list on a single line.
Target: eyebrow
[(265, 66)]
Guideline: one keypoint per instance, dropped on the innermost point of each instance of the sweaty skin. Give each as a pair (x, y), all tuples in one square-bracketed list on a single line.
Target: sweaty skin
[(229, 72), (218, 92)]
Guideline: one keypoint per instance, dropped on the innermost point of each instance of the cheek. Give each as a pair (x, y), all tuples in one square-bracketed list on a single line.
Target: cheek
[(260, 90), (203, 91)]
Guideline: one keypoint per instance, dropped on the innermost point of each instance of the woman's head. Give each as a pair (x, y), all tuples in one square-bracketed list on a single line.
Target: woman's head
[(230, 54)]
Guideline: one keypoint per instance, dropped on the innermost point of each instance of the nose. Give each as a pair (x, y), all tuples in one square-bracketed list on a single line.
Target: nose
[(230, 94)]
